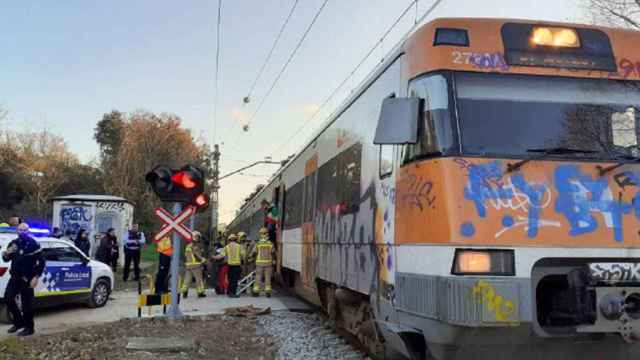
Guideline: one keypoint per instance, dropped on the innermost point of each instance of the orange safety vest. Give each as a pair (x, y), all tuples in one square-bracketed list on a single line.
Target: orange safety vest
[(164, 246)]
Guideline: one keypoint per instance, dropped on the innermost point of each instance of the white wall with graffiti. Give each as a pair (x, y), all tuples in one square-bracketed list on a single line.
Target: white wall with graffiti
[(94, 213)]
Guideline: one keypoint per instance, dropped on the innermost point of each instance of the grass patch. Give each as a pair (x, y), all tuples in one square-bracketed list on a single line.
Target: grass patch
[(12, 346), (148, 253)]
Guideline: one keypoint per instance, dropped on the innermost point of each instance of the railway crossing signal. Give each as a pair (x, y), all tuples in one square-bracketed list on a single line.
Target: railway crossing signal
[(185, 185), (172, 223), (181, 187)]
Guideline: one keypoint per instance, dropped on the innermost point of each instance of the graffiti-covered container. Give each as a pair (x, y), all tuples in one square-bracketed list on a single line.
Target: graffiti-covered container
[(94, 213)]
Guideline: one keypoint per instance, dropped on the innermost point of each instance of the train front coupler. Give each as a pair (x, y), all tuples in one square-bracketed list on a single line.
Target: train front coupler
[(617, 299)]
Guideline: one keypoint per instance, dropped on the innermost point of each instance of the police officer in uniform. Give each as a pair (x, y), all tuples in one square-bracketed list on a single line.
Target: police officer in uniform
[(27, 264), (265, 254), (193, 266), (234, 254), (133, 242)]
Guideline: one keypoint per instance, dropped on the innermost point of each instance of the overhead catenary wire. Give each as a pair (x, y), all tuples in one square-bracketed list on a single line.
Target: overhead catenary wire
[(286, 64), (360, 63), (273, 47), (216, 74)]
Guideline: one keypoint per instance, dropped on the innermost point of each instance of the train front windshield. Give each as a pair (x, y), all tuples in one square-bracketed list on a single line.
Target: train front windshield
[(511, 115)]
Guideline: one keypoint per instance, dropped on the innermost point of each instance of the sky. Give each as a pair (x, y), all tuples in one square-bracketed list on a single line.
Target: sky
[(64, 64)]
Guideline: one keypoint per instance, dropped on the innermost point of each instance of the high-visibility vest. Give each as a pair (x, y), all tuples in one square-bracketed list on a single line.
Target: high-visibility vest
[(190, 257), (264, 248), (233, 253), (164, 246)]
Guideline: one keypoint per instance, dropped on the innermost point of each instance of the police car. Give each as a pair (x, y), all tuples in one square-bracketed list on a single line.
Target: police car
[(68, 277)]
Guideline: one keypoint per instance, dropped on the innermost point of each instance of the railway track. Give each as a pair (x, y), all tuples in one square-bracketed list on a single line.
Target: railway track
[(310, 335)]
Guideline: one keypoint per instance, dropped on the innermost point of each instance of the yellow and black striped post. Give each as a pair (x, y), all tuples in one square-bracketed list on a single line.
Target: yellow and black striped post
[(152, 299)]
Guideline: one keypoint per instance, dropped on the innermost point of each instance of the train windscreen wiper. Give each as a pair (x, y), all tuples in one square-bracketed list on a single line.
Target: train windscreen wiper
[(544, 152), (630, 160)]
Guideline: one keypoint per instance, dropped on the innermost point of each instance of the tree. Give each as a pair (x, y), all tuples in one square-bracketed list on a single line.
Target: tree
[(148, 140), (42, 158), (617, 13), (82, 179), (109, 133)]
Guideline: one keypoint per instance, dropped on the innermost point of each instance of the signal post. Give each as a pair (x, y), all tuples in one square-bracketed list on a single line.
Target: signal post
[(180, 187)]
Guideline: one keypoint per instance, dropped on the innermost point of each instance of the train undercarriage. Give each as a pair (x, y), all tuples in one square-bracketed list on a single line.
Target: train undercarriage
[(582, 308)]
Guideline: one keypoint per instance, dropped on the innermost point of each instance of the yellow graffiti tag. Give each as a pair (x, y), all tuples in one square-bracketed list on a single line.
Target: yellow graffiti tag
[(485, 293)]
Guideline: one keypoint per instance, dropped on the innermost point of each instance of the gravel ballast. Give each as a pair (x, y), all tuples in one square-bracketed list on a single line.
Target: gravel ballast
[(306, 336)]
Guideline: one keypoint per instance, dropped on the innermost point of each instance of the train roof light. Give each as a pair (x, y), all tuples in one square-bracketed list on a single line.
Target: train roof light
[(556, 37)]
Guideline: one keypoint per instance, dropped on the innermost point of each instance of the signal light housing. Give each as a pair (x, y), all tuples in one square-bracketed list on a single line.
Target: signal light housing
[(183, 185)]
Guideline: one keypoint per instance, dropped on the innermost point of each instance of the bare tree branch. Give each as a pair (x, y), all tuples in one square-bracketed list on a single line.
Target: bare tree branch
[(617, 13)]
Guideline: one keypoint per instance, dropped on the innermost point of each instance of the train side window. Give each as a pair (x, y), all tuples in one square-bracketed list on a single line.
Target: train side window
[(435, 131), (293, 206), (386, 160), (309, 196)]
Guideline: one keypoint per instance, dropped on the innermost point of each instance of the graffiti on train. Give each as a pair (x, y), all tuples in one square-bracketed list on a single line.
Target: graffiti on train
[(349, 252), (418, 192), (486, 294), (581, 200), (73, 218)]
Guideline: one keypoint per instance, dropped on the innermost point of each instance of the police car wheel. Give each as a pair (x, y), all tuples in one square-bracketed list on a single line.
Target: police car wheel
[(100, 293)]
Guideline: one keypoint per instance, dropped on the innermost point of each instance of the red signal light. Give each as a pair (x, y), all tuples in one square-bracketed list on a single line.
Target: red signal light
[(201, 200), (183, 179)]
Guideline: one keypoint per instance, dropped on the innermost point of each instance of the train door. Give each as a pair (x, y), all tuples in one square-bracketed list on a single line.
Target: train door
[(308, 258), (279, 202), (385, 216)]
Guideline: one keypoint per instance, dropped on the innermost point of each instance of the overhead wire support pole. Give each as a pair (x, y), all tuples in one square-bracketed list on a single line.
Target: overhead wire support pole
[(215, 186)]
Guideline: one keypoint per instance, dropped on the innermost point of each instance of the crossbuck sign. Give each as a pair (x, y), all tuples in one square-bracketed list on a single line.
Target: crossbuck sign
[(174, 223)]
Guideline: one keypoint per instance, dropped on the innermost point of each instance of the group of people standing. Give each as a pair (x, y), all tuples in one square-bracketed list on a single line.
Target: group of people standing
[(226, 265), (232, 257)]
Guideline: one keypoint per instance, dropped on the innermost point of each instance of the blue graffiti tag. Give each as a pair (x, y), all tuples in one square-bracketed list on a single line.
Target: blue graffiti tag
[(536, 195), (73, 219), (579, 195), (480, 189)]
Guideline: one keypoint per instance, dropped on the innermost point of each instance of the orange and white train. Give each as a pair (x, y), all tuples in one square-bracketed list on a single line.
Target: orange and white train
[(476, 198)]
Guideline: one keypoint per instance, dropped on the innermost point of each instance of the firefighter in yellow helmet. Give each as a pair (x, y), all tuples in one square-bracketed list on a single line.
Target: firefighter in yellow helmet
[(193, 266), (265, 255), (243, 241), (234, 254)]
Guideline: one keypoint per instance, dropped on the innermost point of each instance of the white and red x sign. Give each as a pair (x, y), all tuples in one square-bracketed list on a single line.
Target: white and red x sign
[(174, 223)]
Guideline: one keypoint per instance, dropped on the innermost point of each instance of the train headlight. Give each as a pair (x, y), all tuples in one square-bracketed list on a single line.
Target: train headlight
[(483, 262), (556, 37)]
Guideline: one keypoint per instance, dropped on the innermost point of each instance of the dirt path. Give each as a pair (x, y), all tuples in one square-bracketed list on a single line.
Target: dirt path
[(215, 336)]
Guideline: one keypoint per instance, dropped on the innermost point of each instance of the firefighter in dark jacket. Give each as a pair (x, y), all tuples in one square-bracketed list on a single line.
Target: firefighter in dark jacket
[(27, 264)]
